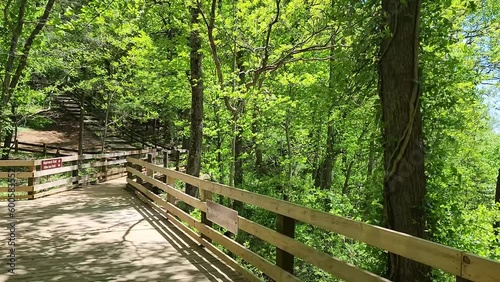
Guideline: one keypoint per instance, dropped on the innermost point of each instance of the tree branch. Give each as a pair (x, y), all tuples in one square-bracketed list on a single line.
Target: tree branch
[(268, 35), (29, 42), (265, 58), (287, 56), (210, 23), (6, 12), (11, 56)]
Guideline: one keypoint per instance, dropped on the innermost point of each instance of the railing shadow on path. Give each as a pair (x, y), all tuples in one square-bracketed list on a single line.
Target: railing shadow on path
[(103, 233)]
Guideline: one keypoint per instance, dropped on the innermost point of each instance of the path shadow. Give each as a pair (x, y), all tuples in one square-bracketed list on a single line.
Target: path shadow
[(104, 233)]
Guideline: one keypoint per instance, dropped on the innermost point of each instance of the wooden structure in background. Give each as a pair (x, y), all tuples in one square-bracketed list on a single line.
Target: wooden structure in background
[(38, 182)]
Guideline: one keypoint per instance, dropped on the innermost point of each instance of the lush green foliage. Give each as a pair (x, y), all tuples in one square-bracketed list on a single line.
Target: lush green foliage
[(305, 73)]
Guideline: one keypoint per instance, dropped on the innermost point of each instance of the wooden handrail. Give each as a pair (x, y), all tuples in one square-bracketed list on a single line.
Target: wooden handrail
[(108, 163), (451, 260)]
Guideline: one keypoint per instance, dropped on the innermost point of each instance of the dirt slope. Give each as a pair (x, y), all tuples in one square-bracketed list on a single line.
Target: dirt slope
[(56, 128)]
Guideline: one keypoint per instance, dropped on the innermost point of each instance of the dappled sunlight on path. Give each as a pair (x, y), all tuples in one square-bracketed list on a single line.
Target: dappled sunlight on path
[(104, 233)]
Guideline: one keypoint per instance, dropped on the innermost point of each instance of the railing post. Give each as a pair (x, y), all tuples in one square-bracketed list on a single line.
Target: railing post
[(169, 180), (138, 167), (44, 149), (31, 182), (104, 170), (16, 146), (74, 173), (286, 226), (205, 196), (129, 174), (177, 159), (150, 173), (165, 158), (461, 279)]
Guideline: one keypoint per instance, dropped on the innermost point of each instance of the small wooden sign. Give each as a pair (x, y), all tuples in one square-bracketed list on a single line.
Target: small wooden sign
[(223, 216), (52, 163)]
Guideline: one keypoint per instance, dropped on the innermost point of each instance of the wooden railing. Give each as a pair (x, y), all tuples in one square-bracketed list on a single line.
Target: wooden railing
[(37, 179), (465, 266), (48, 149)]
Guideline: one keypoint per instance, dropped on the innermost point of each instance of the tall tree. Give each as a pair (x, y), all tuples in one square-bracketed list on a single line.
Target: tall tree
[(196, 80), (404, 182), (15, 67)]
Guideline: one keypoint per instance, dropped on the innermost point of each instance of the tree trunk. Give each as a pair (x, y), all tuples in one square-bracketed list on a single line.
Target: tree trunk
[(371, 160), (9, 68), (11, 132), (82, 120), (259, 164), (325, 170), (6, 145), (219, 141), (106, 123), (324, 175), (10, 81), (238, 161), (196, 138), (404, 183), (238, 166), (238, 142), (348, 171)]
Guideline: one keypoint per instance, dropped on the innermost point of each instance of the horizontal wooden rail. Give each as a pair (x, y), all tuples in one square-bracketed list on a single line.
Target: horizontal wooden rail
[(18, 189), (108, 166), (334, 266), (261, 263), (45, 146), (20, 174), (451, 260), (16, 163)]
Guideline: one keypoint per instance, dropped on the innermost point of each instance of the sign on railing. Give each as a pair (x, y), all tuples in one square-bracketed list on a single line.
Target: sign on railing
[(223, 216), (52, 163)]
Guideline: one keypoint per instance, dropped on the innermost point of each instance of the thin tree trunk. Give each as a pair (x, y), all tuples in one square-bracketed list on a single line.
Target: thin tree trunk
[(315, 137), (82, 120), (6, 145), (10, 81), (29, 43), (238, 138), (105, 133), (9, 67), (219, 143), (9, 134), (259, 165), (404, 183), (371, 160), (238, 142), (196, 138), (325, 170), (238, 166), (348, 170)]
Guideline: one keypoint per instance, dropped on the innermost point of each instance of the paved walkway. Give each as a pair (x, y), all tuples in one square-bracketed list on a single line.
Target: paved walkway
[(104, 233)]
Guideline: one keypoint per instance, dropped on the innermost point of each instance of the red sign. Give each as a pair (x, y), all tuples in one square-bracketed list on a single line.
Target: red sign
[(53, 163)]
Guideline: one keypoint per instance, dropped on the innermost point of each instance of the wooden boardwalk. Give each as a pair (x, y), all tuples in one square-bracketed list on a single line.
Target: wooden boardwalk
[(104, 233)]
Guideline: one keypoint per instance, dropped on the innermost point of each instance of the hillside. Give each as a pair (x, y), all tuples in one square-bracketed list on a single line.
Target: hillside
[(56, 128)]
